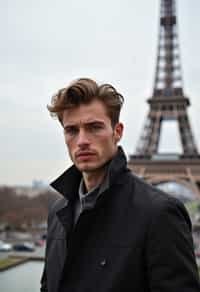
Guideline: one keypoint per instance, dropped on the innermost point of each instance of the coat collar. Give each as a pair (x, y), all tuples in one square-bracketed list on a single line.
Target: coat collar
[(68, 183)]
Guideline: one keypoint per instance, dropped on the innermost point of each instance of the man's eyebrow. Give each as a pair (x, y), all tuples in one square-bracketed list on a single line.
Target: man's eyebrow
[(94, 122)]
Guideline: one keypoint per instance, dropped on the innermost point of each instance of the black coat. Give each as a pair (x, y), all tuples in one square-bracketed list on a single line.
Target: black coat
[(136, 239)]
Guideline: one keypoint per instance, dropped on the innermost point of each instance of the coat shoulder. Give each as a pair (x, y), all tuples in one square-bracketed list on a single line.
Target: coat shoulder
[(152, 201)]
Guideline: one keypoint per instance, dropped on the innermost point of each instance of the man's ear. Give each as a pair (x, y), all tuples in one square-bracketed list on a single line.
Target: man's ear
[(118, 132)]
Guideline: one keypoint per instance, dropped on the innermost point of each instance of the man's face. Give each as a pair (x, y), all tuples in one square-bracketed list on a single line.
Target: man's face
[(90, 138)]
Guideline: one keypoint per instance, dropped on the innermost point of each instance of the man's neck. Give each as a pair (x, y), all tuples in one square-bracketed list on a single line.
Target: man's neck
[(93, 179)]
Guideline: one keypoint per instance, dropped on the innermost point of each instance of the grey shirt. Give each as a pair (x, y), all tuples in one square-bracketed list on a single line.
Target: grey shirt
[(87, 200)]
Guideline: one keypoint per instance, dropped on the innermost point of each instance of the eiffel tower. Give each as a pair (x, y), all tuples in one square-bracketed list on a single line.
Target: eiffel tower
[(168, 104)]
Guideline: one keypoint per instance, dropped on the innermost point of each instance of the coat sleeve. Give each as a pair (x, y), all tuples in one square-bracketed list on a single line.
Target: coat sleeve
[(171, 265), (44, 277), (43, 282)]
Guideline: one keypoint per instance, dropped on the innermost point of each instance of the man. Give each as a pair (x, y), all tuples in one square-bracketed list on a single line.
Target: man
[(111, 231)]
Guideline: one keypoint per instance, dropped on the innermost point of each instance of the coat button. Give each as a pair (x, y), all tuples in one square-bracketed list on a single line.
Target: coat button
[(103, 263)]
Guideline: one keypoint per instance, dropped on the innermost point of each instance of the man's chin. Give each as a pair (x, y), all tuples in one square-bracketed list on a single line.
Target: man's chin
[(87, 168), (84, 167)]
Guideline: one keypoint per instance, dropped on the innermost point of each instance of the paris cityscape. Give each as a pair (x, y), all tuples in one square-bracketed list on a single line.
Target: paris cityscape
[(161, 111)]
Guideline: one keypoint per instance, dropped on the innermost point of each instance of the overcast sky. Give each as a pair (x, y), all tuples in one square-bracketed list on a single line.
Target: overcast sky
[(46, 44)]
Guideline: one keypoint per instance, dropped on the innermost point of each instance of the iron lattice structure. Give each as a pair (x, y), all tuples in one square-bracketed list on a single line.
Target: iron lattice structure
[(168, 102)]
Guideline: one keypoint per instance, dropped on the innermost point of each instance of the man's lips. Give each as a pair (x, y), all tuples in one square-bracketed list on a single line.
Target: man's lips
[(84, 155)]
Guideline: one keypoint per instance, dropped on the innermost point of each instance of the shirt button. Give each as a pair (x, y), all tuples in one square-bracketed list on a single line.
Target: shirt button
[(103, 263)]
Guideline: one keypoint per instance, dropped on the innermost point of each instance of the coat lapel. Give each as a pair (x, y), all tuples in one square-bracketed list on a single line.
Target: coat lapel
[(65, 216)]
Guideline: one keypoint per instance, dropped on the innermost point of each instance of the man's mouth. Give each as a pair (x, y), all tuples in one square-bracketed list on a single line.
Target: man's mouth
[(84, 155)]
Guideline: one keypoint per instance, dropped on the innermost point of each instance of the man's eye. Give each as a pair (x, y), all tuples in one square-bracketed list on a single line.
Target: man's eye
[(71, 131), (95, 127)]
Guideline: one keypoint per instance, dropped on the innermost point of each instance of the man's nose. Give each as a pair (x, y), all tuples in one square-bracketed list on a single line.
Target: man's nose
[(83, 138)]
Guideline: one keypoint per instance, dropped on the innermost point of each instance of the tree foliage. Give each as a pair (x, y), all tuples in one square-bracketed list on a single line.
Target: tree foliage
[(17, 210)]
